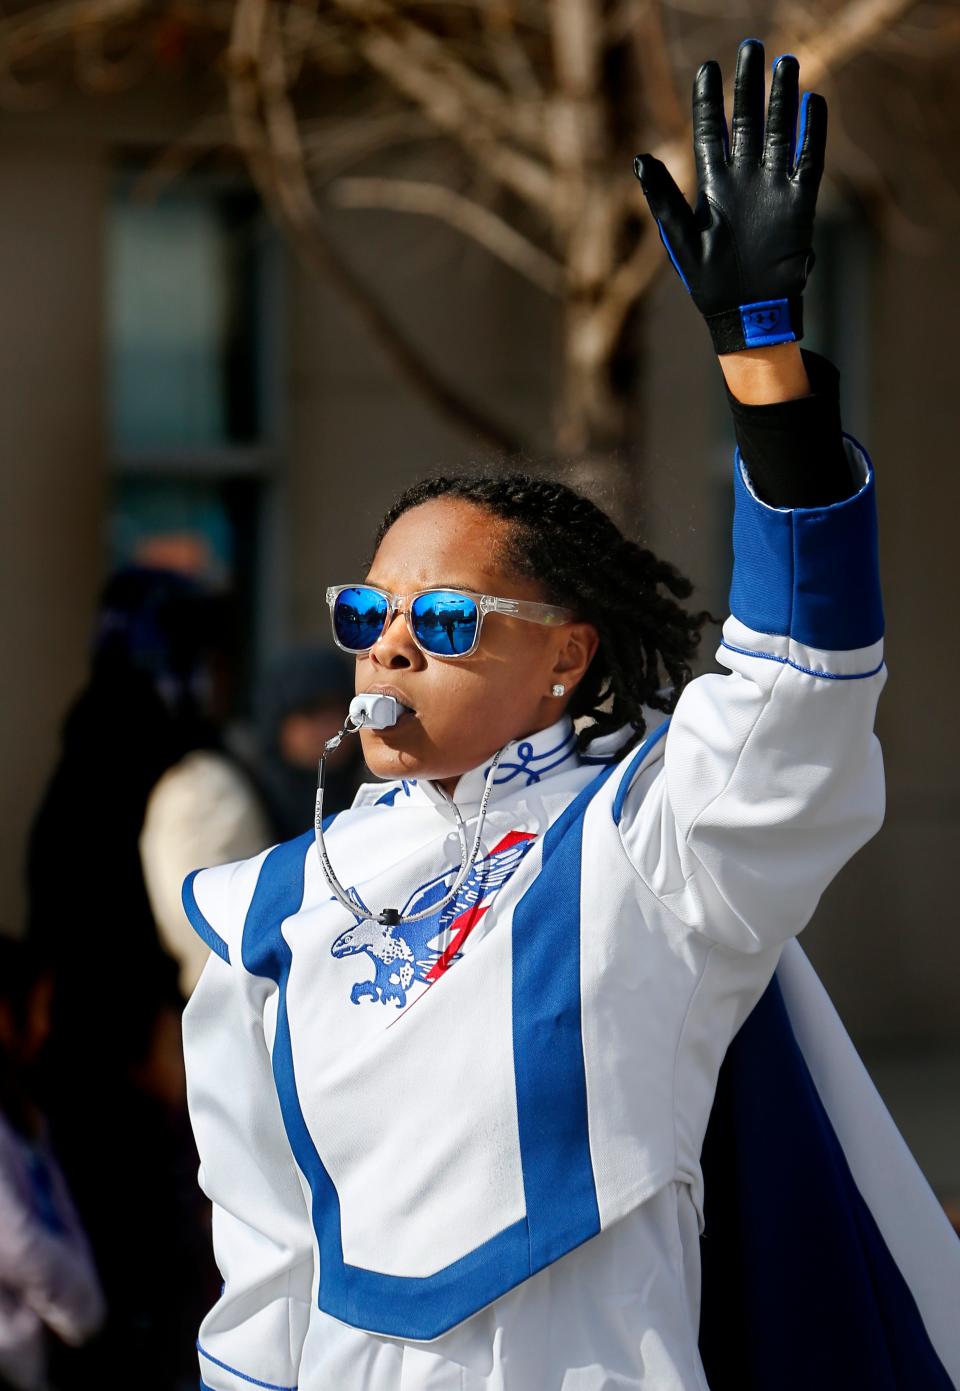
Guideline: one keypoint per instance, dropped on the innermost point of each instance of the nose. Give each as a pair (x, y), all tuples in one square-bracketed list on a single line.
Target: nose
[(395, 649)]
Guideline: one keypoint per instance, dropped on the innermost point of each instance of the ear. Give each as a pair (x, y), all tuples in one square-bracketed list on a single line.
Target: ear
[(575, 654)]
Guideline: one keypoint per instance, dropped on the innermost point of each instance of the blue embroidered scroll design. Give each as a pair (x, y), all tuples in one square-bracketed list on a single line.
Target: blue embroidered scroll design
[(526, 757)]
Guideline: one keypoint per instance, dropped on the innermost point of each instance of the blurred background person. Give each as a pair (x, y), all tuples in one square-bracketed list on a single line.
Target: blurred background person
[(112, 1067), (208, 809), (203, 811), (302, 702), (47, 1276)]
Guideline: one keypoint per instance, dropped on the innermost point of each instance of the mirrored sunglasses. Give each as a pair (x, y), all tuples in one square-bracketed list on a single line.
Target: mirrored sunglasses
[(442, 622)]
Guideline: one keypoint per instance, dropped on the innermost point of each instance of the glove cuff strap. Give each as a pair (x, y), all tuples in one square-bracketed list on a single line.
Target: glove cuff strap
[(758, 325)]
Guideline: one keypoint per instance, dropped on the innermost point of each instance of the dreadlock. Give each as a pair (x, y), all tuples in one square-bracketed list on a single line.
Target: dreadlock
[(584, 563)]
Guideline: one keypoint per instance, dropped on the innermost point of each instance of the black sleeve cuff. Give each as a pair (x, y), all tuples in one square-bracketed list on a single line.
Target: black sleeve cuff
[(793, 450)]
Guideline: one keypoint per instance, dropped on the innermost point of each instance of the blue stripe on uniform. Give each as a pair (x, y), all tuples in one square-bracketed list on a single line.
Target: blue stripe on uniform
[(560, 1196), (198, 922), (251, 1381), (631, 770), (558, 1184), (806, 671), (411, 1307)]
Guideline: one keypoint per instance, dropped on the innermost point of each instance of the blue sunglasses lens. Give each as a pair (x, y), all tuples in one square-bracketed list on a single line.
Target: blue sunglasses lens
[(358, 617), (445, 622)]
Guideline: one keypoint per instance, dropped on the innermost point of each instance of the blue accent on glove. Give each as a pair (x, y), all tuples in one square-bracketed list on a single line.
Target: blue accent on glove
[(798, 147), (676, 263), (766, 322)]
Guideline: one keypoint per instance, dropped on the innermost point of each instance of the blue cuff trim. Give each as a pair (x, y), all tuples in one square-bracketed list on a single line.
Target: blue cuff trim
[(810, 573), (766, 322), (267, 1385), (627, 779), (201, 927), (807, 671)]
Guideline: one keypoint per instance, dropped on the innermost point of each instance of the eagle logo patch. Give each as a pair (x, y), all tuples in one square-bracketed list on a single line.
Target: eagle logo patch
[(408, 953)]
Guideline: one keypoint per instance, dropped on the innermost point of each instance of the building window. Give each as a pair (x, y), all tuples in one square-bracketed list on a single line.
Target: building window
[(193, 324)]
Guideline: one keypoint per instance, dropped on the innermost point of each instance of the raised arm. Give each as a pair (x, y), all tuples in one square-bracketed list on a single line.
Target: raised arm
[(771, 777)]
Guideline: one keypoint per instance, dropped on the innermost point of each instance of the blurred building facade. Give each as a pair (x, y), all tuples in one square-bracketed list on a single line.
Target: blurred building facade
[(279, 465)]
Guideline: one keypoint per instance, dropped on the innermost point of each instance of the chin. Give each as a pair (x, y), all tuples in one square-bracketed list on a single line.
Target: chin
[(388, 755), (391, 753)]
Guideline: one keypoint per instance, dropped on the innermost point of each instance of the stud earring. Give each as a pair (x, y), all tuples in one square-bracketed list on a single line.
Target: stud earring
[(558, 690)]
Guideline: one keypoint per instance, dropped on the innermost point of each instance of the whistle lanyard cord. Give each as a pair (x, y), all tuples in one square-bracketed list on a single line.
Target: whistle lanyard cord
[(467, 861)]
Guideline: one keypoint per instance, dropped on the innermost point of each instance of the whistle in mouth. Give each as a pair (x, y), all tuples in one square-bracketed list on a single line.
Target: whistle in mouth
[(375, 711)]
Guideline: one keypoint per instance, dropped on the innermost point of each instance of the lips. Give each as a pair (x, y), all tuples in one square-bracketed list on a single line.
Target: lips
[(398, 695)]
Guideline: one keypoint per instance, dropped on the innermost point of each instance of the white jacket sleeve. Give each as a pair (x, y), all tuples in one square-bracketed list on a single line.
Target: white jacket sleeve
[(771, 776), (262, 1235)]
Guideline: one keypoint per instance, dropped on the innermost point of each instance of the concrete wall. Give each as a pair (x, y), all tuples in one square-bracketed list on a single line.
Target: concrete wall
[(51, 369), (888, 933)]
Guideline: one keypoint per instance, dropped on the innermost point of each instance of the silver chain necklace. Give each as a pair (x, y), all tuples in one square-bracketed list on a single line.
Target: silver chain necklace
[(380, 712)]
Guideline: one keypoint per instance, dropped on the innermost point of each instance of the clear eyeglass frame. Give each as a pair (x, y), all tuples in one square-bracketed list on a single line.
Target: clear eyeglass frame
[(527, 609)]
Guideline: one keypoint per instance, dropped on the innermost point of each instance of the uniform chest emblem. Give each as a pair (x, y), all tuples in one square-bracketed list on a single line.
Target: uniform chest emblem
[(420, 952)]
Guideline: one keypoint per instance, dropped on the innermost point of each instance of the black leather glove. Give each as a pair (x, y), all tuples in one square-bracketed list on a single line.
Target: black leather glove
[(745, 250)]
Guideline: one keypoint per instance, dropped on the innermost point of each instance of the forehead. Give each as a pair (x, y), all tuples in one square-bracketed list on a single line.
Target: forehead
[(444, 541)]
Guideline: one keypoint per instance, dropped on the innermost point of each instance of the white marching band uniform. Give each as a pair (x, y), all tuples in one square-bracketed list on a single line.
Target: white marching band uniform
[(465, 1154)]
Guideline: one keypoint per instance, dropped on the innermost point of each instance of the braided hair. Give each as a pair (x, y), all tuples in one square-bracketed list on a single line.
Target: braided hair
[(584, 563)]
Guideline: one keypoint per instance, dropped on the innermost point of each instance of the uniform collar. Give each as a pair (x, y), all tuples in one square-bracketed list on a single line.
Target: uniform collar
[(525, 762)]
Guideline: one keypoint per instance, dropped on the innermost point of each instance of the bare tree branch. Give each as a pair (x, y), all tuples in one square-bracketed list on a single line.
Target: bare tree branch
[(424, 52), (524, 97), (508, 52), (472, 219), (19, 94), (332, 145), (98, 73), (42, 25), (257, 68), (624, 288), (829, 45), (447, 106), (32, 33), (657, 77), (211, 132), (304, 32)]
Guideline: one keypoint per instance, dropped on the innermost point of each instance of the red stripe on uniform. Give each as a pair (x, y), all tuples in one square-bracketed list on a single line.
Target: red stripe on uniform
[(467, 921)]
